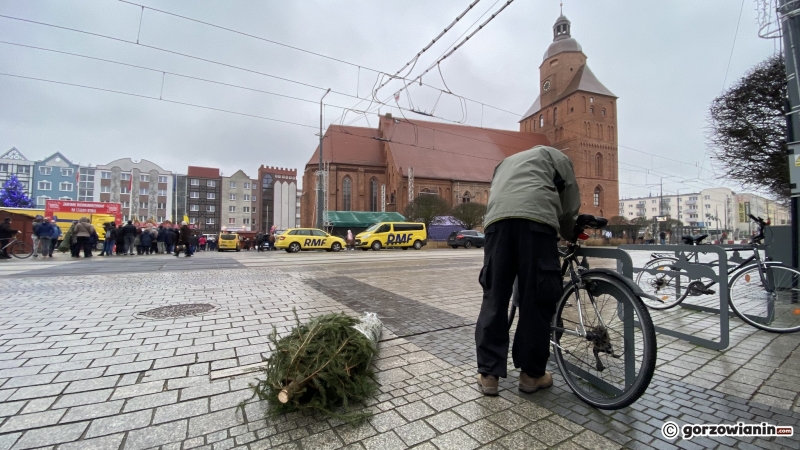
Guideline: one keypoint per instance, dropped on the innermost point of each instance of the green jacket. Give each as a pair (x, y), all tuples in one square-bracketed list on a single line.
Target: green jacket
[(524, 187)]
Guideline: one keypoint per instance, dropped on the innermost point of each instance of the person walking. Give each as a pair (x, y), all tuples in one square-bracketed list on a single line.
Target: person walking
[(74, 250), (201, 242), (54, 238), (184, 239), (109, 239), (154, 243), (271, 240), (83, 234), (648, 237), (161, 240), (35, 238), (663, 237), (129, 236), (146, 241), (6, 233), (534, 197), (44, 232), (351, 242)]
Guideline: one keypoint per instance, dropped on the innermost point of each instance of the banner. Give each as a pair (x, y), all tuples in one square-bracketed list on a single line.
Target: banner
[(742, 215), (53, 207)]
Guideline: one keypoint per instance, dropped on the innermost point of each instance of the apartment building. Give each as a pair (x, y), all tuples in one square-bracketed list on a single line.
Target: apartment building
[(240, 202), (142, 187), (13, 162), (278, 197), (204, 198), (54, 178)]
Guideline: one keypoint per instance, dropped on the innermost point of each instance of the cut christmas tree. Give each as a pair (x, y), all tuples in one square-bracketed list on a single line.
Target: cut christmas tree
[(322, 365), (13, 195)]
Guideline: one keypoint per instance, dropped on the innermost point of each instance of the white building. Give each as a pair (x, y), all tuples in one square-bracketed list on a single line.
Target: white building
[(716, 209), (144, 188), (240, 202), (13, 162)]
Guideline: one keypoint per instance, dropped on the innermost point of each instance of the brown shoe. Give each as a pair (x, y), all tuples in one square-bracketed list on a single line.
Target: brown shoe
[(529, 385), (488, 384)]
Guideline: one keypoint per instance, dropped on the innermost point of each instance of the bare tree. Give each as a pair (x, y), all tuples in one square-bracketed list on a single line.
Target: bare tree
[(469, 215), (748, 130), (426, 209)]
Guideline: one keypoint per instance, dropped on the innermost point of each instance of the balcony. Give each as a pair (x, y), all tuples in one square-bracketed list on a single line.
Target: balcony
[(690, 202)]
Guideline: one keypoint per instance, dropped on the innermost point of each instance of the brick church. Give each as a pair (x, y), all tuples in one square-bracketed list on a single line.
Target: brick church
[(372, 169)]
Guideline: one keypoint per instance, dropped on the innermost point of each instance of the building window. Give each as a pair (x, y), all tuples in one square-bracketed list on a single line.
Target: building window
[(245, 209), (144, 178), (211, 208), (246, 198), (597, 196), (142, 191), (194, 195), (598, 161), (162, 178), (45, 186), (103, 189), (40, 201), (253, 198), (104, 175), (591, 110), (541, 120), (65, 186), (591, 99), (555, 116), (231, 221), (266, 182), (245, 221), (603, 112), (142, 205), (211, 183), (346, 190), (195, 182), (43, 170), (161, 219), (209, 221), (373, 195), (162, 206), (707, 197), (192, 220), (162, 192), (211, 196), (247, 185), (194, 207), (233, 197), (125, 176), (233, 184), (231, 209), (466, 198), (3, 167), (126, 204), (23, 169), (124, 190)]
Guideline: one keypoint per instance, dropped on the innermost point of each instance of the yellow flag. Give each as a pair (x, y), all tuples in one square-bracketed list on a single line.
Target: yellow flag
[(186, 218)]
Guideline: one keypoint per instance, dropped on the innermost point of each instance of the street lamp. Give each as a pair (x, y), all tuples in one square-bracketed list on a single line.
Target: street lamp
[(321, 178)]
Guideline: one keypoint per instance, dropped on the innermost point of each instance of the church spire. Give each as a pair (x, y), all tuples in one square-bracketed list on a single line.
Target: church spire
[(561, 27)]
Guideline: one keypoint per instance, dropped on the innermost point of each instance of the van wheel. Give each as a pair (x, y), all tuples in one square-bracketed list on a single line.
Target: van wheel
[(288, 251), (238, 249), (417, 245), (294, 247), (365, 249), (404, 248), (376, 246), (454, 246), (468, 244), (336, 246)]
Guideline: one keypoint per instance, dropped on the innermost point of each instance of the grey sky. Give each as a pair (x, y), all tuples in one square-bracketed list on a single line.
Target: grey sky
[(665, 60)]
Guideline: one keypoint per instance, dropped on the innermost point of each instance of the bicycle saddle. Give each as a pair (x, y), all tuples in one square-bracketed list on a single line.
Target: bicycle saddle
[(589, 221), (694, 240)]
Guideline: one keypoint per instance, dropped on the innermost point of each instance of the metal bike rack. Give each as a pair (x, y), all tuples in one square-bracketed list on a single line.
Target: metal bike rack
[(694, 272)]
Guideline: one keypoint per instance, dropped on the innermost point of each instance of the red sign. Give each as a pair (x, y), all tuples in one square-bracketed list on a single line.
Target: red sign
[(54, 207)]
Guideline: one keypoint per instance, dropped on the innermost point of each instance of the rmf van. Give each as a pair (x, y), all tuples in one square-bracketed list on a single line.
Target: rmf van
[(403, 235)]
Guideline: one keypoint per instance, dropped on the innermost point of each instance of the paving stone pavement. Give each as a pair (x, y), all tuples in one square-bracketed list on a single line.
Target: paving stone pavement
[(80, 369)]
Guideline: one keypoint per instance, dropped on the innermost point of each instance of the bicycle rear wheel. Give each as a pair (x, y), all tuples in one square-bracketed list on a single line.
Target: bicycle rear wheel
[(611, 366), (20, 250), (773, 306), (668, 284)]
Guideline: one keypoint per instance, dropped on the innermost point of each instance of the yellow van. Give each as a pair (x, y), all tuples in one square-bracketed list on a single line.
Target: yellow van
[(228, 241), (403, 235)]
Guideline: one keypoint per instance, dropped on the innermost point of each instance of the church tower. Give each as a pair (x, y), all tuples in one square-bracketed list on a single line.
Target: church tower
[(579, 116)]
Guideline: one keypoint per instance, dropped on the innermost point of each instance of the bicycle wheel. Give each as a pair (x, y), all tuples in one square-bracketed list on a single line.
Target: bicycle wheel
[(20, 250), (611, 366), (670, 288), (772, 304)]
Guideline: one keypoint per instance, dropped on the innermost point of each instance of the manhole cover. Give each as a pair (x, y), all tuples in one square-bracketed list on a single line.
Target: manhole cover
[(172, 311)]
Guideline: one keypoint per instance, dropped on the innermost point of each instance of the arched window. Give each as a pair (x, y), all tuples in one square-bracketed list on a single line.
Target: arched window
[(591, 110), (598, 196), (466, 197), (603, 112), (588, 129), (266, 182), (584, 103), (373, 194), (555, 116), (541, 120), (591, 99), (346, 193), (611, 134), (598, 165)]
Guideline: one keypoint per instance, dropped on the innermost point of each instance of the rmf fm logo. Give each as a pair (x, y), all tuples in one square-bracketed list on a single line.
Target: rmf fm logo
[(399, 238), (314, 242)]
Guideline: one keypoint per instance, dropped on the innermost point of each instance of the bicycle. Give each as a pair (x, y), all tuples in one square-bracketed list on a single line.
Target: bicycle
[(763, 293), (18, 249), (601, 330)]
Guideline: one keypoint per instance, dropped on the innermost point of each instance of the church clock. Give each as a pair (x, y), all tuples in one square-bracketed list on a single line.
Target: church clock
[(546, 86)]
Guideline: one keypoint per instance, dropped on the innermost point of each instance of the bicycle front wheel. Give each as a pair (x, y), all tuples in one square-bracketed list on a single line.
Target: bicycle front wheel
[(772, 303), (20, 250), (604, 342)]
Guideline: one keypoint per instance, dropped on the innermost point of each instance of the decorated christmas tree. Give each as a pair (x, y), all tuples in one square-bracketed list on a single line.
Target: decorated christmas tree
[(13, 194)]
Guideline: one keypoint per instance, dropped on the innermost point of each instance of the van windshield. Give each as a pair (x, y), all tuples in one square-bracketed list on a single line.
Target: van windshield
[(228, 237), (373, 227)]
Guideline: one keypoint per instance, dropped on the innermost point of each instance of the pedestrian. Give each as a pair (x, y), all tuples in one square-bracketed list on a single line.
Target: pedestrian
[(73, 240), (35, 238), (247, 244), (193, 242), (6, 233), (648, 237), (43, 232), (271, 240), (169, 240), (83, 234), (201, 242), (119, 237), (351, 242), (184, 239), (259, 241), (161, 240), (129, 236), (154, 243), (109, 239), (146, 240), (663, 237), (534, 198), (54, 238), (137, 241)]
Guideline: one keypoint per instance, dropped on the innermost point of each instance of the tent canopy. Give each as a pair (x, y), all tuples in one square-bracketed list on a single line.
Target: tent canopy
[(361, 219)]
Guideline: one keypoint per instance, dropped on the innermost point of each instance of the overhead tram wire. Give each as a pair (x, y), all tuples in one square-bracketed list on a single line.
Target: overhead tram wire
[(339, 60), (157, 99)]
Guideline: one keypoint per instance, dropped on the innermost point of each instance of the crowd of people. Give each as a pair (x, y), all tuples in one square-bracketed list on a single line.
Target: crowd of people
[(129, 240)]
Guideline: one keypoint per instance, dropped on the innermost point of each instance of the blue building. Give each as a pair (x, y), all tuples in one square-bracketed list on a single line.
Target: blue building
[(54, 178)]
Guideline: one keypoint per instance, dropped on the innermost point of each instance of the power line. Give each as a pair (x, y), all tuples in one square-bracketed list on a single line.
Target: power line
[(733, 46), (156, 98)]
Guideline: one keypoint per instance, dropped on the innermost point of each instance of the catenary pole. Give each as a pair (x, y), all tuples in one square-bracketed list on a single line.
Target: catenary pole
[(790, 27), (320, 177)]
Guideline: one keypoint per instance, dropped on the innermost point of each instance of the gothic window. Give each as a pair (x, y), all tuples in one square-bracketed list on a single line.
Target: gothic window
[(591, 99), (373, 194), (584, 103), (588, 129), (603, 112), (555, 116), (541, 120), (611, 134), (598, 196), (598, 163), (266, 182), (347, 192), (591, 110), (466, 197)]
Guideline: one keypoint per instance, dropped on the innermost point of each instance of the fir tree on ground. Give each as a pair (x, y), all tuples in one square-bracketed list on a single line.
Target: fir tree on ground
[(13, 194)]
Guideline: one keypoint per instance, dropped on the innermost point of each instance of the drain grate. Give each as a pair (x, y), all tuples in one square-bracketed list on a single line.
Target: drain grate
[(174, 311)]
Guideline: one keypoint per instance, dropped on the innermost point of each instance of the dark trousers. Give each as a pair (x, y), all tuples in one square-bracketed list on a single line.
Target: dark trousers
[(84, 242), (528, 250)]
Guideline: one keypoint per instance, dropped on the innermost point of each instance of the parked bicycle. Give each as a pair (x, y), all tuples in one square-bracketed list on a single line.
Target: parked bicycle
[(603, 339), (18, 249), (761, 292)]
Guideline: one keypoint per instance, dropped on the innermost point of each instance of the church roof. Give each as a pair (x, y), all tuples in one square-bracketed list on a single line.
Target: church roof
[(584, 81), (564, 45), (350, 145)]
